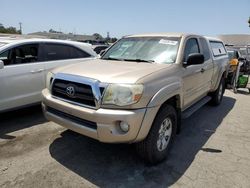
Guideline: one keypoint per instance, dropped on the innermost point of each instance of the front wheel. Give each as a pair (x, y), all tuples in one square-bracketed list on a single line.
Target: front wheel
[(217, 95), (155, 147)]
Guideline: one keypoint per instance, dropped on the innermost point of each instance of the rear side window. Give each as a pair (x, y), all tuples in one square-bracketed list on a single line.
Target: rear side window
[(205, 49), (191, 47), (61, 51), (77, 53), (217, 48)]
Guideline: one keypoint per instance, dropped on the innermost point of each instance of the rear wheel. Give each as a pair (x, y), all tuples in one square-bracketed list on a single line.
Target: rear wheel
[(155, 147), (217, 95)]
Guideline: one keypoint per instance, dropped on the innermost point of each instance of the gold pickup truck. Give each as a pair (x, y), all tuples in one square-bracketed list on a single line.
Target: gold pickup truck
[(139, 89)]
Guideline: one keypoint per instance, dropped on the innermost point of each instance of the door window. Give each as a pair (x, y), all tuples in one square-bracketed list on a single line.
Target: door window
[(191, 47), (5, 57), (21, 54)]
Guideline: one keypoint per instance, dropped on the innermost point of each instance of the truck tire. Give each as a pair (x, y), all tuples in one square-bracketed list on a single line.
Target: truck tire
[(154, 148), (217, 95)]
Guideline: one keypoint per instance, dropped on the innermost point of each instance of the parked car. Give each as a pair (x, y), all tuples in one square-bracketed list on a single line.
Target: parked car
[(243, 51), (239, 70), (99, 48), (139, 90), (233, 54), (24, 64)]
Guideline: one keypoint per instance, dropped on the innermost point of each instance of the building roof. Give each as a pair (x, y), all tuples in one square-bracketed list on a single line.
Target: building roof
[(236, 39), (63, 36)]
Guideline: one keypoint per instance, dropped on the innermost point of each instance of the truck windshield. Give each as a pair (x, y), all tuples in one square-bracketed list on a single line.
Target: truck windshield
[(162, 50)]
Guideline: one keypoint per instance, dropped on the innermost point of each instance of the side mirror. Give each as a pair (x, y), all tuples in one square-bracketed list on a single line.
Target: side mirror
[(194, 59), (1, 64)]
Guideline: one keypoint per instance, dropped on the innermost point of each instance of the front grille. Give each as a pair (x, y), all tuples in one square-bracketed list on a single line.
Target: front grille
[(82, 93), (72, 118)]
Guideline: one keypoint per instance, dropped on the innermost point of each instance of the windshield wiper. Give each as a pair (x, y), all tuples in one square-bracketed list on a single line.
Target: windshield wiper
[(111, 58), (136, 60), (140, 60)]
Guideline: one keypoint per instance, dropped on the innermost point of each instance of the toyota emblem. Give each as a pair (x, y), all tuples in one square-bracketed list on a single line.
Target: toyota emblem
[(70, 90)]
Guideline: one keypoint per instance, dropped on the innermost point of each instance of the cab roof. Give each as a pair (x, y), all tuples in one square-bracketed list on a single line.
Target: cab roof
[(160, 35)]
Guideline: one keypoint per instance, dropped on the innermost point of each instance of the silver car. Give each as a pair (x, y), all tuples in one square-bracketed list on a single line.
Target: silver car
[(24, 64)]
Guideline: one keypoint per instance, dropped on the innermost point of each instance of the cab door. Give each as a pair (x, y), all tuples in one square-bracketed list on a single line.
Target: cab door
[(207, 66), (193, 82), (22, 78)]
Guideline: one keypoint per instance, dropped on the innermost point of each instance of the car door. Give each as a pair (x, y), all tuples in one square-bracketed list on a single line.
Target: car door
[(192, 75), (22, 78), (56, 55), (207, 66)]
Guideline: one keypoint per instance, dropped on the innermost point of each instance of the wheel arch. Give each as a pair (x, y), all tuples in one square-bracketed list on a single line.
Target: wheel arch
[(149, 118), (223, 74)]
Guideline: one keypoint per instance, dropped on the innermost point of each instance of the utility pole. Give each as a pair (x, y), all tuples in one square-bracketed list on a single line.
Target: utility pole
[(20, 27), (249, 21)]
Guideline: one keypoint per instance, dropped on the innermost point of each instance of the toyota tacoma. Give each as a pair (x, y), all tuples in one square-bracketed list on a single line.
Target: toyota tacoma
[(139, 90)]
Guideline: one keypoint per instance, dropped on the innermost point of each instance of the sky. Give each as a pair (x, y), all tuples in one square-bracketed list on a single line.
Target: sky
[(124, 17)]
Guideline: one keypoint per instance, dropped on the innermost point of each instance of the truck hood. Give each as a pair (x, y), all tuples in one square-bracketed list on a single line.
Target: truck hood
[(108, 71)]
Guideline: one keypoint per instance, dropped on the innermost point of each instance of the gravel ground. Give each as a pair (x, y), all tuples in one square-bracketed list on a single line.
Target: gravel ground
[(213, 150)]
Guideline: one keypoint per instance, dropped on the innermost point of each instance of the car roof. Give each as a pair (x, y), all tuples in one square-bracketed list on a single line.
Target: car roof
[(23, 40), (10, 41)]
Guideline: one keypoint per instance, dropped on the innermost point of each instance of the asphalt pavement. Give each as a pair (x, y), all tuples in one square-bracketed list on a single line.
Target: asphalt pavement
[(212, 150)]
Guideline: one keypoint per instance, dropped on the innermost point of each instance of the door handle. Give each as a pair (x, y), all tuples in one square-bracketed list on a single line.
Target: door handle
[(37, 71), (202, 70)]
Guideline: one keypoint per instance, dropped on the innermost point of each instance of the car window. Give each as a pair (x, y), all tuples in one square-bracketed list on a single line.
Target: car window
[(5, 57), (205, 49), (77, 53), (61, 51), (218, 48), (20, 55), (191, 47)]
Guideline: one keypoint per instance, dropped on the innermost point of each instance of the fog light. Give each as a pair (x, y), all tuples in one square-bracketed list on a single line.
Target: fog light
[(124, 126)]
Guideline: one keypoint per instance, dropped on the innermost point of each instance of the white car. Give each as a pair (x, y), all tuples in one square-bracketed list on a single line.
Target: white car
[(24, 64)]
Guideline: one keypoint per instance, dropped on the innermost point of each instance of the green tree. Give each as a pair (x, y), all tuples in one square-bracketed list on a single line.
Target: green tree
[(98, 36), (9, 30), (111, 40)]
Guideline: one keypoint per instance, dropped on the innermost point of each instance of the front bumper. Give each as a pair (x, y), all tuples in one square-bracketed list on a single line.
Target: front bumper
[(100, 124)]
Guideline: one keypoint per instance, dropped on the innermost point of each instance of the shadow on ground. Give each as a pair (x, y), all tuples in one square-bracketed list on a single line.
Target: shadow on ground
[(107, 165), (26, 117), (243, 91)]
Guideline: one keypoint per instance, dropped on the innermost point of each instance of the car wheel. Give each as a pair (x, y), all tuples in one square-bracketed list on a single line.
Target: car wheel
[(155, 147), (218, 94)]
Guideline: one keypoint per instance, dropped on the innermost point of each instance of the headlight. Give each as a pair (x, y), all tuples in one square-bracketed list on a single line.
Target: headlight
[(49, 79), (122, 94)]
